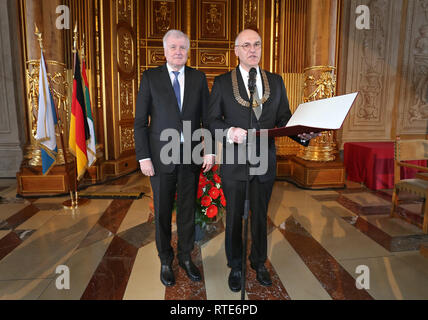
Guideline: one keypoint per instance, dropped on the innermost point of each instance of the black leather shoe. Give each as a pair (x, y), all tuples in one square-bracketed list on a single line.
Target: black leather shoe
[(263, 275), (191, 270), (235, 280), (167, 275)]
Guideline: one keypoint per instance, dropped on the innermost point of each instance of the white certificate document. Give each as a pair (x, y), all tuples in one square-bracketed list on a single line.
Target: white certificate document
[(317, 116)]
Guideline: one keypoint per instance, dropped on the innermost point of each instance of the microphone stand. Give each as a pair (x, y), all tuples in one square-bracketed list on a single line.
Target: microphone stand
[(251, 87)]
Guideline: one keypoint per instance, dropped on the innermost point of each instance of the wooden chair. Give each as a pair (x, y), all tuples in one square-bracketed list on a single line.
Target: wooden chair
[(416, 149)]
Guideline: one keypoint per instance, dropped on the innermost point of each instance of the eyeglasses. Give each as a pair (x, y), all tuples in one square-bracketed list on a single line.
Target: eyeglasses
[(246, 46)]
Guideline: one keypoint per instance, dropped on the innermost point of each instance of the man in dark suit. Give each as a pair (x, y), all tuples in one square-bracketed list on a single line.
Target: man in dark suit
[(228, 111), (172, 96)]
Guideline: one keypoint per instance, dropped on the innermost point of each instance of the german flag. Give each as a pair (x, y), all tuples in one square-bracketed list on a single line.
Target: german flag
[(79, 129)]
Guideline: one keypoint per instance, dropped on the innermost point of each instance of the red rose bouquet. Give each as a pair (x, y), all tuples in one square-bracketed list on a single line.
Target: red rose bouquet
[(210, 200)]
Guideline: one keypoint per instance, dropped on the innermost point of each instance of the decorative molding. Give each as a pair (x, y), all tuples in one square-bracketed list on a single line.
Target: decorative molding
[(126, 138), (413, 102), (127, 94), (250, 14), (125, 46), (213, 21), (125, 11), (162, 17), (156, 57), (371, 68), (322, 85), (219, 58)]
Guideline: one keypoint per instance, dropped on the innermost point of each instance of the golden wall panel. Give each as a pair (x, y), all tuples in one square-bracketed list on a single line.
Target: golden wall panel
[(294, 87), (127, 95), (250, 14), (126, 138), (156, 57), (213, 20), (126, 49), (125, 11), (292, 35), (213, 58), (162, 17)]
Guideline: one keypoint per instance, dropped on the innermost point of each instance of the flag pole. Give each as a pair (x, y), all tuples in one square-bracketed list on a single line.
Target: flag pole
[(75, 202)]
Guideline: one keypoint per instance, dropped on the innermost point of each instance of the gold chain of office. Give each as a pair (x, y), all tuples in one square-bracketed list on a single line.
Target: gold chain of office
[(242, 101)]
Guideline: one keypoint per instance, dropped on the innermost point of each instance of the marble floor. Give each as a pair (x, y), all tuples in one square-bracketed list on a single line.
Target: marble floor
[(320, 245)]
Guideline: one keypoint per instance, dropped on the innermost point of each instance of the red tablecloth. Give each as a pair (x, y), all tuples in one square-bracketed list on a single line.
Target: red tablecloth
[(373, 164)]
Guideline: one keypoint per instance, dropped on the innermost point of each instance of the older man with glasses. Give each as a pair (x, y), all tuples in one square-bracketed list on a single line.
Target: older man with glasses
[(228, 110)]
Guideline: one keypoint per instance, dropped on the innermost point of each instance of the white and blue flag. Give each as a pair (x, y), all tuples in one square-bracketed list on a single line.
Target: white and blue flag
[(46, 121)]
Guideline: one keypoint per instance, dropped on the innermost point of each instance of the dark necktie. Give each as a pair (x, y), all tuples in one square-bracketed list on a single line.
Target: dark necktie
[(176, 86)]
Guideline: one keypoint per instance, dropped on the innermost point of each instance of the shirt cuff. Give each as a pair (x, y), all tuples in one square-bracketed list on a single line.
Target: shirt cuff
[(145, 159)]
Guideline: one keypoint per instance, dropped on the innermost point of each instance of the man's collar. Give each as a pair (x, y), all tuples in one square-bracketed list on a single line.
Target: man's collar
[(171, 70), (245, 74)]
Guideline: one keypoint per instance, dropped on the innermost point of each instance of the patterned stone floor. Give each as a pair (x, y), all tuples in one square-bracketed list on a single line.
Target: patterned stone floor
[(317, 243)]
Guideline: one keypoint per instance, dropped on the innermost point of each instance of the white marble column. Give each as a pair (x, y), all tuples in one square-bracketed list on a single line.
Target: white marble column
[(12, 109)]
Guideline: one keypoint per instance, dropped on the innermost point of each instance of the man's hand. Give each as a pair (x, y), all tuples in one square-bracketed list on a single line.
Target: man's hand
[(146, 167), (209, 161), (308, 136), (237, 135)]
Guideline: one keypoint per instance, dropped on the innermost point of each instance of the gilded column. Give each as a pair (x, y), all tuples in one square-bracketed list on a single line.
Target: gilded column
[(43, 15), (320, 71)]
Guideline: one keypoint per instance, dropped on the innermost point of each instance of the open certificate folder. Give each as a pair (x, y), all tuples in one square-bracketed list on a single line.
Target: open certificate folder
[(316, 116)]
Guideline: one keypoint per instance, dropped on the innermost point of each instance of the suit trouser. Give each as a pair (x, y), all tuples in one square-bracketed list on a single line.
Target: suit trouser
[(260, 194), (184, 180)]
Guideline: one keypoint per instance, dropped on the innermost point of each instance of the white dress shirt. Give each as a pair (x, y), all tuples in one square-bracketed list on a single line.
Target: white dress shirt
[(245, 77)]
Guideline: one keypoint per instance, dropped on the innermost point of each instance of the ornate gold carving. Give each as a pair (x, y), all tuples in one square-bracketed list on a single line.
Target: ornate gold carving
[(243, 102), (126, 92), (214, 58), (126, 50), (250, 14), (320, 81), (56, 80), (157, 57), (126, 138), (213, 21), (124, 10), (325, 86), (162, 17)]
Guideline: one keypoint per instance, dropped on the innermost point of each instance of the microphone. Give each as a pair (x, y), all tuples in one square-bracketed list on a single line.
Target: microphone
[(252, 80)]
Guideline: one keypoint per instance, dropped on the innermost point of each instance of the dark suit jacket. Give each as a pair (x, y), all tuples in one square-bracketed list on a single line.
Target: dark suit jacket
[(225, 112), (156, 99)]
